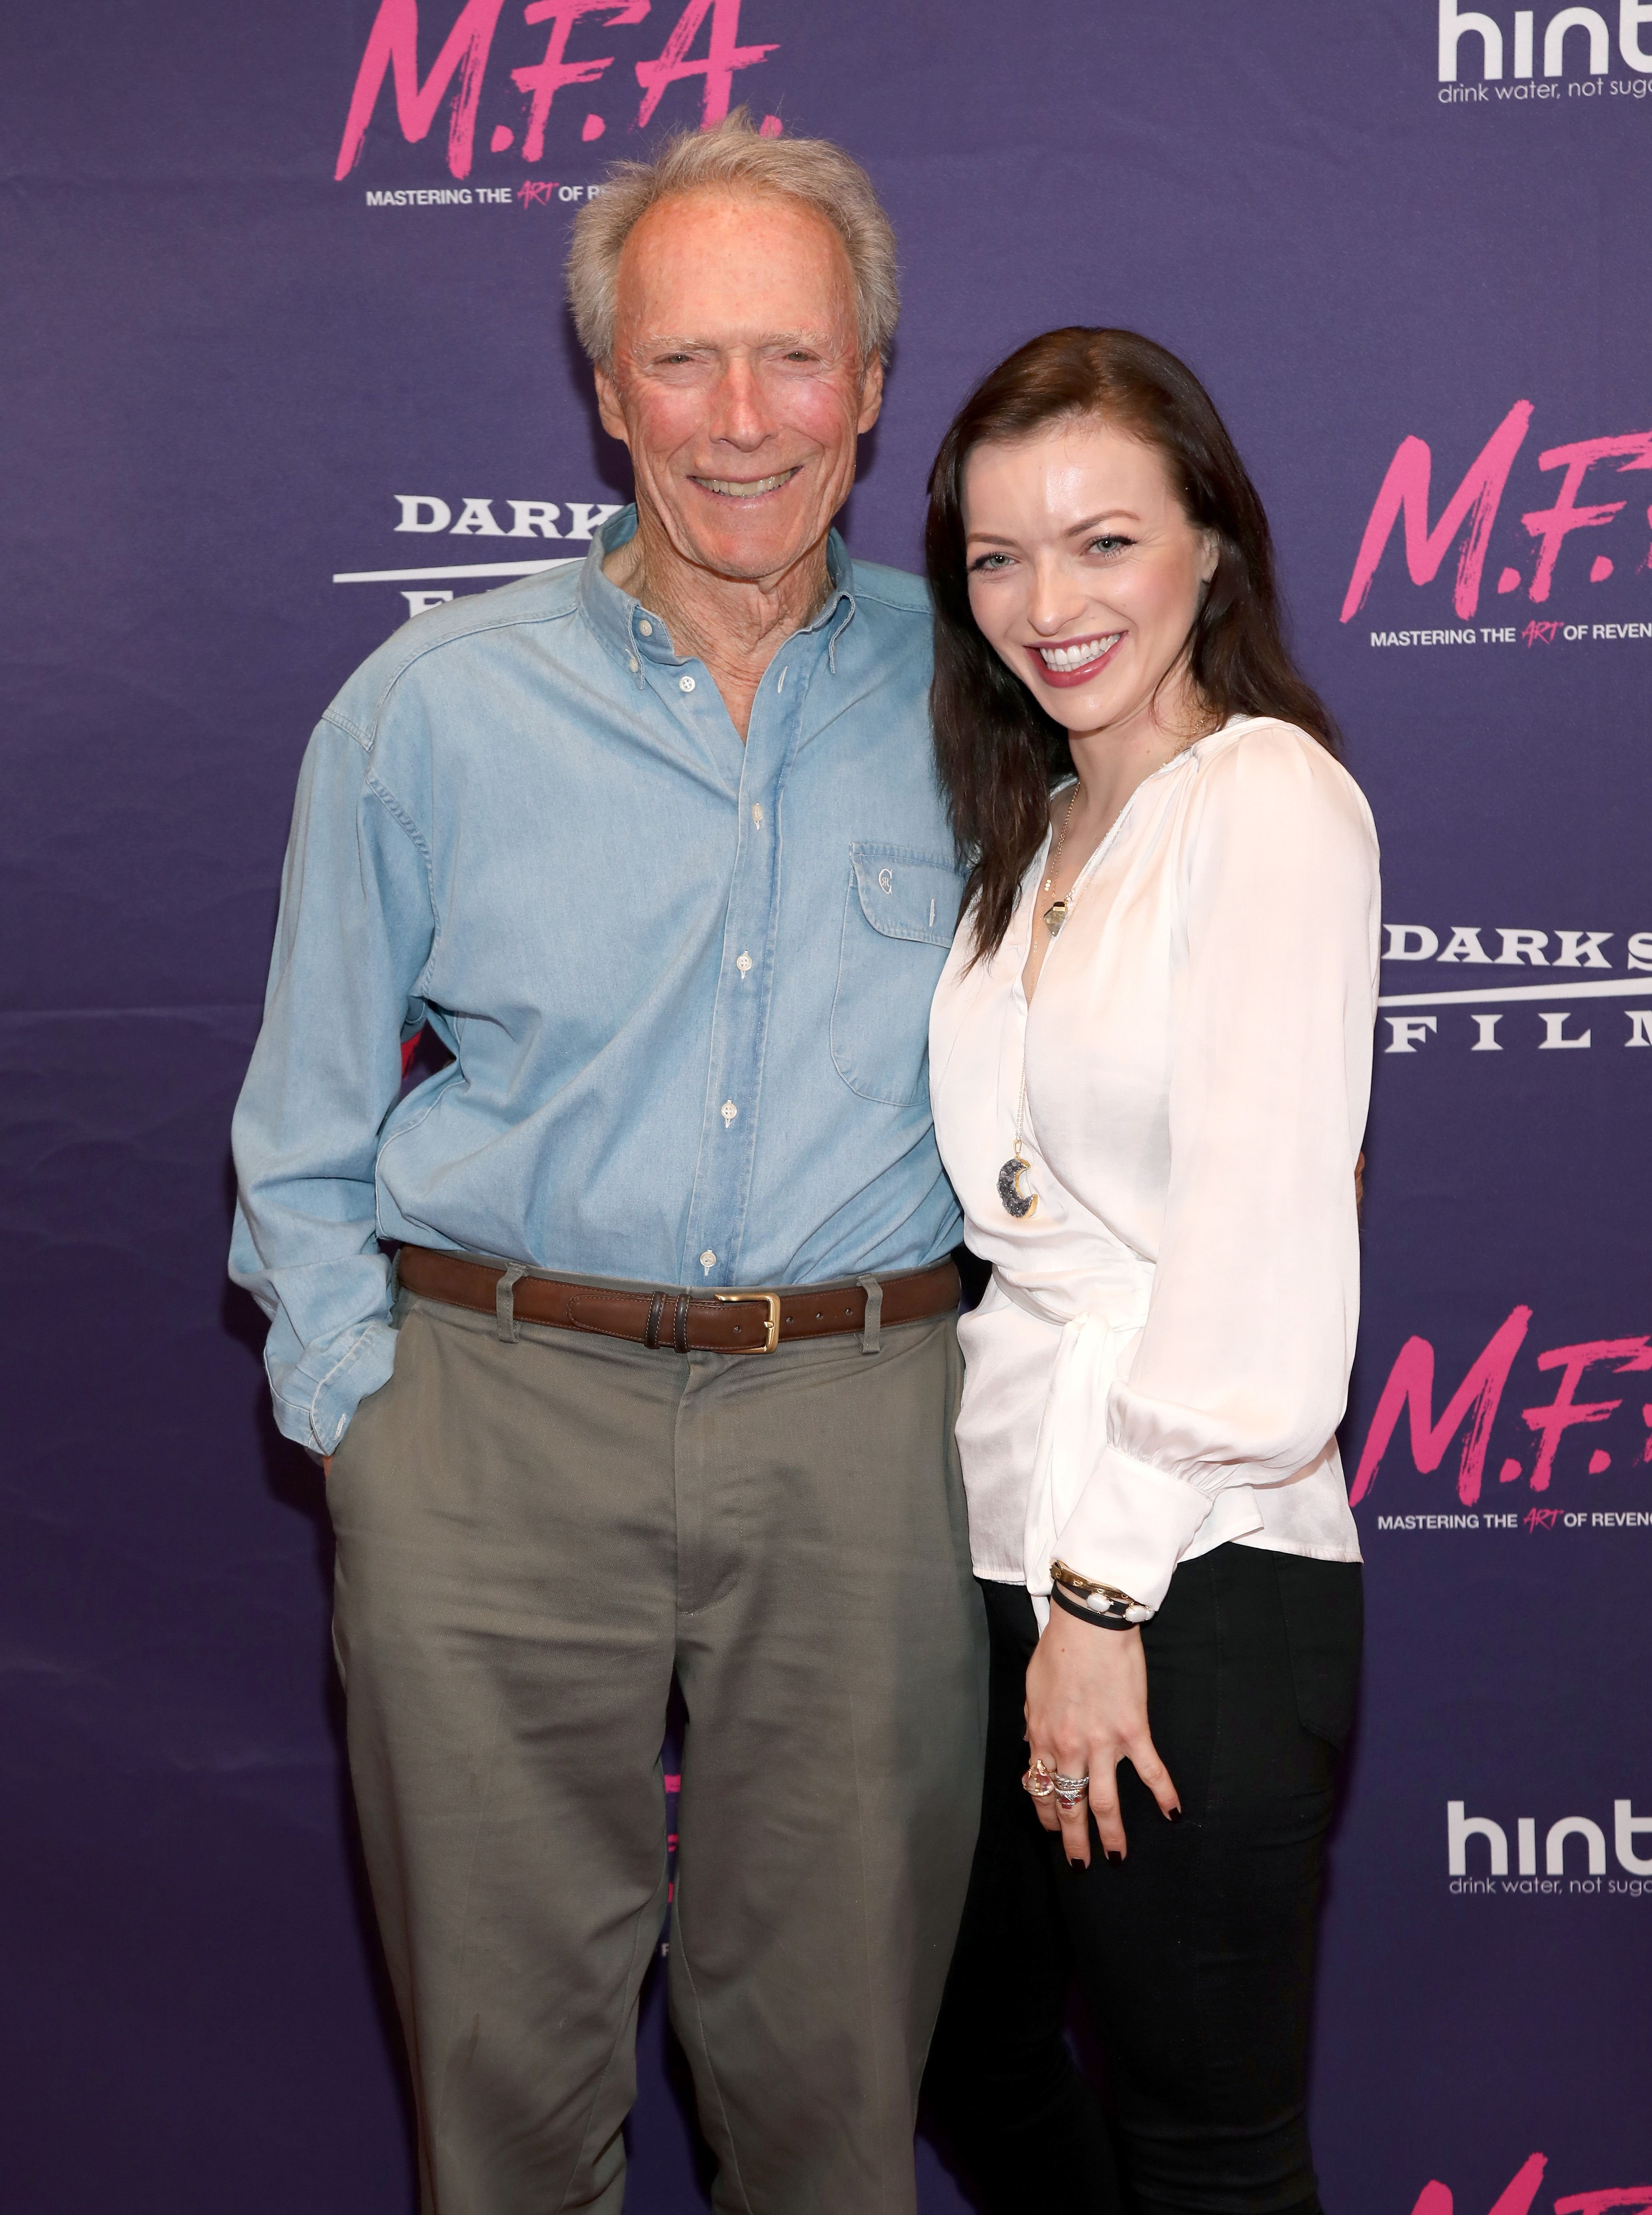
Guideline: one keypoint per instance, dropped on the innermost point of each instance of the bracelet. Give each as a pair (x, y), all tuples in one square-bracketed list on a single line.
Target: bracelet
[(1070, 1606), (1105, 1602)]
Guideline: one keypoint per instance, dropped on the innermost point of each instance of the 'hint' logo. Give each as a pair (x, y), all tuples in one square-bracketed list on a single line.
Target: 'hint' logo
[(1457, 24), (1626, 1827)]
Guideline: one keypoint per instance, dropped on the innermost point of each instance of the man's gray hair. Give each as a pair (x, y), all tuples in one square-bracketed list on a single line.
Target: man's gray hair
[(735, 156)]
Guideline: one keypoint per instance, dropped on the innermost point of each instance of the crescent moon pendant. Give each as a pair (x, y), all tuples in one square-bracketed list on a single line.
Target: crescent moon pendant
[(1016, 1202)]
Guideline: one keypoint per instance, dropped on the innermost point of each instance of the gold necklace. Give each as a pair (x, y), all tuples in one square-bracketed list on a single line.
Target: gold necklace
[(1057, 912), (1016, 1202)]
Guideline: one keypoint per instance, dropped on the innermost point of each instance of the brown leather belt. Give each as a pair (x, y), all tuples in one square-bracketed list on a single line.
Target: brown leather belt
[(710, 1322)]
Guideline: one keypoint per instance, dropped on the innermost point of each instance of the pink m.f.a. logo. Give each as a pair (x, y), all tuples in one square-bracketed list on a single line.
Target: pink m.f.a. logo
[(1473, 1407), (1471, 511), (1517, 2196), (460, 68)]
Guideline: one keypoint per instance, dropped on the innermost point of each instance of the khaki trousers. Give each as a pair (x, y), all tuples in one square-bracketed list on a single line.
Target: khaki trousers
[(532, 1536)]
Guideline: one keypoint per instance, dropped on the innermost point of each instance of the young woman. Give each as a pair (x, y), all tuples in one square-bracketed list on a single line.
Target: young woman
[(1150, 1060)]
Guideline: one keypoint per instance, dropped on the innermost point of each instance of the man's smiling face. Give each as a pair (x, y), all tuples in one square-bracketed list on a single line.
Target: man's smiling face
[(737, 380)]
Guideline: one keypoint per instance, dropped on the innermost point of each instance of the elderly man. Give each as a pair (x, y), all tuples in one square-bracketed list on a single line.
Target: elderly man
[(661, 1381)]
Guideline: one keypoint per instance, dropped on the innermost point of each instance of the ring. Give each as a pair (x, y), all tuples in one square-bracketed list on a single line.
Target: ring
[(1038, 1781), (1074, 1784)]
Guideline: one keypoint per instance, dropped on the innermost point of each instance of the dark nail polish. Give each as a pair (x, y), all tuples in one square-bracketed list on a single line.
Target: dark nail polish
[(1174, 1815), (1077, 1868), (1112, 1856)]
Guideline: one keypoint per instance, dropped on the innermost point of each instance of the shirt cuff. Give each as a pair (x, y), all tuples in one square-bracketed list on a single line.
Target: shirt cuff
[(1131, 1527), (315, 1397)]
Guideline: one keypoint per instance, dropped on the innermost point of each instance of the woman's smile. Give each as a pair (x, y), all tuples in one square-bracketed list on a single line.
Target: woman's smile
[(1072, 661)]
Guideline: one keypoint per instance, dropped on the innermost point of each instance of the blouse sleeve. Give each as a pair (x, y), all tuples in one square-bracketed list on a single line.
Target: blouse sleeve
[(1241, 1373)]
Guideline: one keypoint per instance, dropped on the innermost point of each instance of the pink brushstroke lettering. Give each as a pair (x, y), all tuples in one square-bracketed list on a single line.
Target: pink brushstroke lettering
[(1552, 1421), (393, 51), (1515, 2199), (1552, 525), (1404, 493), (723, 56), (546, 78), (1521, 2190), (1409, 1390), (457, 73)]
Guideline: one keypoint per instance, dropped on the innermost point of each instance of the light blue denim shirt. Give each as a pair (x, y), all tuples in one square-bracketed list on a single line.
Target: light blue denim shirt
[(685, 981)]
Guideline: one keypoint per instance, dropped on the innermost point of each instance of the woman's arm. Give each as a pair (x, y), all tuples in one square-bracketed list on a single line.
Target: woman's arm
[(1242, 1368)]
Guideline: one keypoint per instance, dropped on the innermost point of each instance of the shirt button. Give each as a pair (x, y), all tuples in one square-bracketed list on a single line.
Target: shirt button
[(744, 965), (645, 629), (707, 1260), (634, 665), (728, 1111), (757, 813), (685, 684)]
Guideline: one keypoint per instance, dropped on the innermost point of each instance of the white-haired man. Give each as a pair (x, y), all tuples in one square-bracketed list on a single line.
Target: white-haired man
[(663, 1378)]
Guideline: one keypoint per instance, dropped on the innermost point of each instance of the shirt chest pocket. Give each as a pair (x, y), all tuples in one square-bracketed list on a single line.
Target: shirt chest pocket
[(900, 913)]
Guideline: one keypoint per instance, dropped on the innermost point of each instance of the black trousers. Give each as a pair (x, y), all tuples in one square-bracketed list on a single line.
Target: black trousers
[(1196, 1953)]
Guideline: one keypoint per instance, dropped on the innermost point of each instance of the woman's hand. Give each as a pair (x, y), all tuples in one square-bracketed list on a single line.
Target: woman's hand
[(1086, 1712)]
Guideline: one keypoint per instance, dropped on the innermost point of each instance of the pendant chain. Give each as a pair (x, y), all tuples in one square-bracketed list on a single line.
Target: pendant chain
[(1021, 1108), (1016, 1202), (1057, 912), (1053, 929), (1061, 840)]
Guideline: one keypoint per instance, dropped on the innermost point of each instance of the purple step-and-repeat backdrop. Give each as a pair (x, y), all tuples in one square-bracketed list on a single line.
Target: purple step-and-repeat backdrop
[(287, 363)]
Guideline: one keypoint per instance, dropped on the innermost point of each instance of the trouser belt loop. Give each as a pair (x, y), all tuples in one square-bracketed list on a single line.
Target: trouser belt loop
[(679, 1324), (505, 1322), (872, 1328)]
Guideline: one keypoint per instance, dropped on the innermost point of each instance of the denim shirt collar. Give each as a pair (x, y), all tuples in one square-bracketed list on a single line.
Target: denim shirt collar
[(634, 632)]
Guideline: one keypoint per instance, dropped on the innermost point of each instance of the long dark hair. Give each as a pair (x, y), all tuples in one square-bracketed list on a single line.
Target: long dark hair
[(997, 751)]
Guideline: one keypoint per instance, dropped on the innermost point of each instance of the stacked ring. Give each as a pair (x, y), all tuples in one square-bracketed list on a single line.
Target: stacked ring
[(1070, 1791)]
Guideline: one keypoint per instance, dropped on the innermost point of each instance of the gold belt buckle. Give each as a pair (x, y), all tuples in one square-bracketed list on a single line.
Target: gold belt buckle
[(772, 1329)]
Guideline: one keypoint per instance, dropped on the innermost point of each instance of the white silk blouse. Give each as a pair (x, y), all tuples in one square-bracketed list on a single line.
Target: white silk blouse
[(1161, 1360)]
